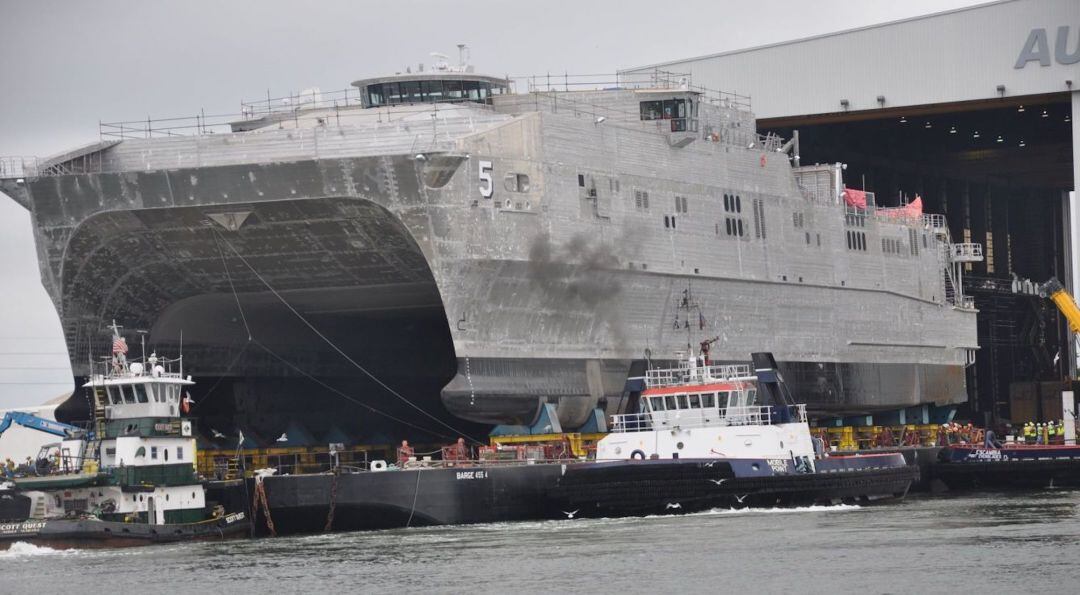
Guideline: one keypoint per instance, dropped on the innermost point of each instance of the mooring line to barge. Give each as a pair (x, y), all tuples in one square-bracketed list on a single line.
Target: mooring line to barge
[(218, 239), (416, 492)]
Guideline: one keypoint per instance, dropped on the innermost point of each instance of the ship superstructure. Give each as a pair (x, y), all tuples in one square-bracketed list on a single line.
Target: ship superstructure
[(531, 246)]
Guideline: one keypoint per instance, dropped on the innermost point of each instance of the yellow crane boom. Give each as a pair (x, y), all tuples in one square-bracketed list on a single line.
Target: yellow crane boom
[(1065, 302)]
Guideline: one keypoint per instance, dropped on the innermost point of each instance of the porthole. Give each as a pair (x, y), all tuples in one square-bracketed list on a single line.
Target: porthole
[(679, 446)]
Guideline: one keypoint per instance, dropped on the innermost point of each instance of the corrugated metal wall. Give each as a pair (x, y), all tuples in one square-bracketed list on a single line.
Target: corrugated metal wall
[(955, 56)]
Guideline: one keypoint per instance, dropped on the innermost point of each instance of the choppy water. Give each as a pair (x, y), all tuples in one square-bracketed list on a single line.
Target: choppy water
[(957, 544)]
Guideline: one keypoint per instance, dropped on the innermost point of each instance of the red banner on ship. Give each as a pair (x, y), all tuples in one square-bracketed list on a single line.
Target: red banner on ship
[(855, 198)]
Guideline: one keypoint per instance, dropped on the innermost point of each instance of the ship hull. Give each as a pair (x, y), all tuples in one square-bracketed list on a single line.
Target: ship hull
[(94, 533), (1020, 467), (487, 494), (426, 261)]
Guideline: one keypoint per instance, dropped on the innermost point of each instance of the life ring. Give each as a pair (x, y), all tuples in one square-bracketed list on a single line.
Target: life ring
[(763, 160), (634, 455)]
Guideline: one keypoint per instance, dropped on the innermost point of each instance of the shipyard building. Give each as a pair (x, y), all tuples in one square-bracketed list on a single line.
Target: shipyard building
[(973, 110)]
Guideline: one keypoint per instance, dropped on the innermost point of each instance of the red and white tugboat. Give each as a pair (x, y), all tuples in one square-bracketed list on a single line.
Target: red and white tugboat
[(132, 481), (709, 436)]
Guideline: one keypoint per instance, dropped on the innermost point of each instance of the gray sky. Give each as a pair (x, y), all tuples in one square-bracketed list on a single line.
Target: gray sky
[(66, 66)]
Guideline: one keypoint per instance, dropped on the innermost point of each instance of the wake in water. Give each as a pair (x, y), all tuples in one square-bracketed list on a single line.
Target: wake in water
[(21, 549), (796, 509)]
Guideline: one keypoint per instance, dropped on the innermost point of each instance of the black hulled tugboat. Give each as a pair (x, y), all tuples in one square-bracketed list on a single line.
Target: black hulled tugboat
[(711, 436), (132, 480)]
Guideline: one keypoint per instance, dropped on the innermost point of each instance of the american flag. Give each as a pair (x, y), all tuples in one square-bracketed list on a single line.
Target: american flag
[(119, 345)]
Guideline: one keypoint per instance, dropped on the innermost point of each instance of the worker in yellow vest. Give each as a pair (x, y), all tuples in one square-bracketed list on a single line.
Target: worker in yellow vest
[(1029, 433), (1060, 432), (1040, 434)]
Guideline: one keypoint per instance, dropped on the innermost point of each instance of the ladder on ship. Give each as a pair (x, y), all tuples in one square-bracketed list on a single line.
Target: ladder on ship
[(953, 258), (99, 411)]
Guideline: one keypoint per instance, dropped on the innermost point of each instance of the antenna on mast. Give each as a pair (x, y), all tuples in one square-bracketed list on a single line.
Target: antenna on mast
[(142, 340), (463, 53)]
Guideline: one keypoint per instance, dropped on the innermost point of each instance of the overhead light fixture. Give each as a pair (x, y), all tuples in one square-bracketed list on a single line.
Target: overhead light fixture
[(952, 130), (1045, 113), (976, 135), (927, 125), (1000, 139), (1067, 118), (903, 119), (1022, 143), (1020, 109)]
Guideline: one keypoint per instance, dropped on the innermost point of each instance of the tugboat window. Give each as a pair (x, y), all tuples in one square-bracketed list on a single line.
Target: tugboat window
[(140, 393), (166, 452), (657, 403), (179, 453), (129, 397), (708, 400), (695, 401), (153, 453), (669, 403)]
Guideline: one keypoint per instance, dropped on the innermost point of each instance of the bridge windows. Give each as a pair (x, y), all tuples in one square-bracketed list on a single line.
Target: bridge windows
[(676, 110), (681, 205), (430, 91)]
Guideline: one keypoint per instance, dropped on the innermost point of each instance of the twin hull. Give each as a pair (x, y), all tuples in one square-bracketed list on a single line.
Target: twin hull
[(514, 296)]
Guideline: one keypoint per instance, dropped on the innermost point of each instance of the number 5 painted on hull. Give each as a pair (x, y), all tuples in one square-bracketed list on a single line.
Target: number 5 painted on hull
[(486, 186)]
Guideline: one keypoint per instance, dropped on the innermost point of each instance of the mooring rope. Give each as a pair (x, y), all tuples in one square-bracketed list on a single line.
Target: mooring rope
[(327, 340), (333, 503), (416, 492), (252, 339), (260, 499)]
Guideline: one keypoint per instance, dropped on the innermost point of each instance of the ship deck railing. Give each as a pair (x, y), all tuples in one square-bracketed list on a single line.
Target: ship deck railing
[(160, 367), (654, 79), (19, 166), (664, 377), (763, 415)]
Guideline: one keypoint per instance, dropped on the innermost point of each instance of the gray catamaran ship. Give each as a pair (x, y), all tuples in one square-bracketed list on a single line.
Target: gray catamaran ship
[(497, 250)]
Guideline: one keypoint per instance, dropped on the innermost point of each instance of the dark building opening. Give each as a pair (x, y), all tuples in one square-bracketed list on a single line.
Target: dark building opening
[(1000, 170)]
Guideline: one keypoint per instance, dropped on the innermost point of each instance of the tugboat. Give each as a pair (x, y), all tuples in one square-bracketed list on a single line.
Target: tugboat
[(710, 436), (131, 481)]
